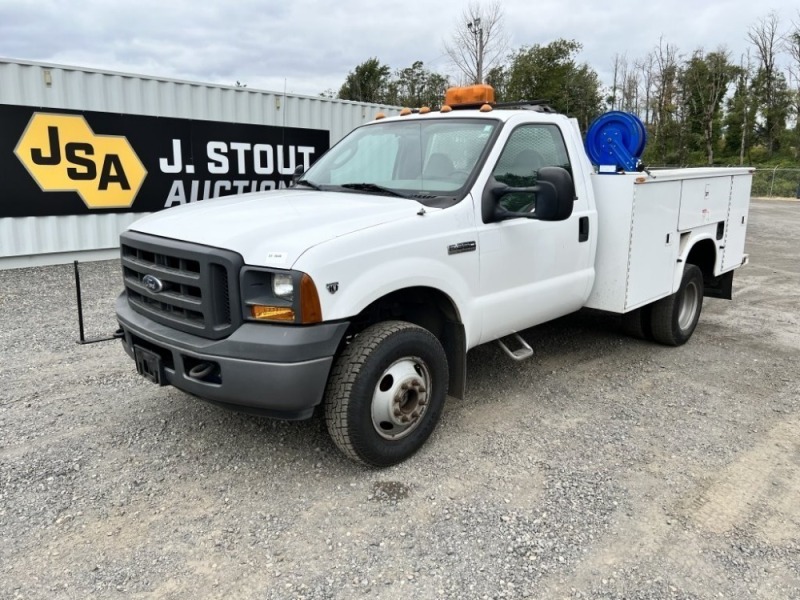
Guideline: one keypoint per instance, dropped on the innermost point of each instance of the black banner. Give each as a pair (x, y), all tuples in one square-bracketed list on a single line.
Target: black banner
[(64, 162)]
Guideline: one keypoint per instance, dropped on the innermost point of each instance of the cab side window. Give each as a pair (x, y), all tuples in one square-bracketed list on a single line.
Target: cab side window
[(528, 149)]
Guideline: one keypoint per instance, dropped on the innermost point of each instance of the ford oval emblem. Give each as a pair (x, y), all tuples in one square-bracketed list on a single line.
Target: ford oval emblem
[(152, 283)]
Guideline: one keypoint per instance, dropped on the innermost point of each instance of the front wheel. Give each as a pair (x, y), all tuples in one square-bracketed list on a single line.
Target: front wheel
[(674, 318), (386, 393)]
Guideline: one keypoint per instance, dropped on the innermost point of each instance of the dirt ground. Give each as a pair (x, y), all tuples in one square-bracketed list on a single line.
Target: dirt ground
[(603, 467)]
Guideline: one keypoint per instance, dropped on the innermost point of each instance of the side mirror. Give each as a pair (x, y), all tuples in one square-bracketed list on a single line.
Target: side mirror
[(555, 195), (298, 173), (557, 207)]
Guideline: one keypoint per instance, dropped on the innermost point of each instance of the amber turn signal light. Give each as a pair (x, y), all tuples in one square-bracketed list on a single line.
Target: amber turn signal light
[(272, 313), (310, 309)]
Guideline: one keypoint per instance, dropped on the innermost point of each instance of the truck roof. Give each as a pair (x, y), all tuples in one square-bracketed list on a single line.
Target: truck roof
[(500, 114)]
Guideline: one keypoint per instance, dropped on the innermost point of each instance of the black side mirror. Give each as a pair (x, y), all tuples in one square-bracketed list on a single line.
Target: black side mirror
[(557, 207), (298, 173), (555, 195)]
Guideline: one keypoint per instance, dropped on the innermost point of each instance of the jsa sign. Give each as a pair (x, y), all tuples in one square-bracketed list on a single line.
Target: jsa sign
[(63, 162), (62, 153)]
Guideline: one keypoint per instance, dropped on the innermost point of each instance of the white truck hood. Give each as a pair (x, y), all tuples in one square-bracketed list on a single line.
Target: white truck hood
[(273, 229)]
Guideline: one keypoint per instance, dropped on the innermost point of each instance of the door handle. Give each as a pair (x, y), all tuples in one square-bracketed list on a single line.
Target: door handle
[(583, 229)]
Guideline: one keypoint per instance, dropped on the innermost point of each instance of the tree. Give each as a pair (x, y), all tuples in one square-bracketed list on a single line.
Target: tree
[(620, 66), (497, 77), (550, 72), (741, 110), (792, 46), (417, 86), (646, 67), (765, 37), (705, 79), (774, 102), (479, 41), (666, 129), (368, 82)]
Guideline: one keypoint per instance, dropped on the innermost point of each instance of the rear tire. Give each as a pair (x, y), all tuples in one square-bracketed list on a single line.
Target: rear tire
[(386, 393), (674, 318)]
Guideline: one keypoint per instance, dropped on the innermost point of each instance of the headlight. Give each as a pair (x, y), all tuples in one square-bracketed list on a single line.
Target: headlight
[(284, 296), (283, 286)]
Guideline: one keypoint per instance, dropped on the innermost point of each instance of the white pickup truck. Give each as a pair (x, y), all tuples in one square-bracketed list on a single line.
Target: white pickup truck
[(360, 289)]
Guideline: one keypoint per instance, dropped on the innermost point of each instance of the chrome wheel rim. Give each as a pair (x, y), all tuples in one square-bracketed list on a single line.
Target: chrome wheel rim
[(688, 308), (400, 398)]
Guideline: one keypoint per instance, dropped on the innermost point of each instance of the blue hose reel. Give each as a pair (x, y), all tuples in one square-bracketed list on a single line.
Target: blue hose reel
[(615, 142)]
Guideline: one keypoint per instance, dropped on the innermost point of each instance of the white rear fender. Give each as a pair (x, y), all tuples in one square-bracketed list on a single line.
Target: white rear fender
[(700, 247)]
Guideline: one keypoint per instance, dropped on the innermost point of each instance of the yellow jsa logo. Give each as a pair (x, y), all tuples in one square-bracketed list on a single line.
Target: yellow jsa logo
[(62, 153)]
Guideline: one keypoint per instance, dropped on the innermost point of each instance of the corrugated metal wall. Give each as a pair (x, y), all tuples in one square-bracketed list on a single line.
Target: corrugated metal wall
[(26, 83)]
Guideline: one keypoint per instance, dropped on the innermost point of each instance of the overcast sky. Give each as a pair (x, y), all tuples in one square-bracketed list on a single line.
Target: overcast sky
[(310, 45)]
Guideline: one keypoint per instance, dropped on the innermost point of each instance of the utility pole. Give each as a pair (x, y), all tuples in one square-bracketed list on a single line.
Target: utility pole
[(476, 30)]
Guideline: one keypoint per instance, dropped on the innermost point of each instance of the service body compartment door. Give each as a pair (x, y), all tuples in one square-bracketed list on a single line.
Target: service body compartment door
[(703, 201), (736, 227), (654, 242)]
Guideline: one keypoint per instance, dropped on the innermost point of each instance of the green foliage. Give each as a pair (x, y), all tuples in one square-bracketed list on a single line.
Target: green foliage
[(697, 109), (739, 121), (497, 77), (413, 86), (550, 72), (704, 80), (368, 82), (771, 95), (782, 182), (416, 86)]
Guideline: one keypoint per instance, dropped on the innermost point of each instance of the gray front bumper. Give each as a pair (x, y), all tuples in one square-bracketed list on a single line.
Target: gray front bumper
[(276, 370)]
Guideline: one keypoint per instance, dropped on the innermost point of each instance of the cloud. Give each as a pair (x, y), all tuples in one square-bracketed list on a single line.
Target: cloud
[(311, 45)]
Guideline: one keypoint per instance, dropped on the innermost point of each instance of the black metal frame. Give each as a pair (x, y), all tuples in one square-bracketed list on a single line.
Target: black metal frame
[(82, 338)]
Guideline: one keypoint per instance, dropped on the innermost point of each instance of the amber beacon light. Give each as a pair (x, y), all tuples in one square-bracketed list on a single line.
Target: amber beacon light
[(469, 95)]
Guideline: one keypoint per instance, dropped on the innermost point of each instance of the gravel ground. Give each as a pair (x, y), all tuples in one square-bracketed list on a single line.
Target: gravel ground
[(604, 467)]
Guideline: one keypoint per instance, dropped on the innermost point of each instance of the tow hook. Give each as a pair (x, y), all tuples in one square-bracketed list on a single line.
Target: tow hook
[(202, 371)]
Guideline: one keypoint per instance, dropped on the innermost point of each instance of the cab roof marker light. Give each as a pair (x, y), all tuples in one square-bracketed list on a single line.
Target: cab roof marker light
[(486, 108), (445, 109), (380, 116), (424, 110), (405, 112)]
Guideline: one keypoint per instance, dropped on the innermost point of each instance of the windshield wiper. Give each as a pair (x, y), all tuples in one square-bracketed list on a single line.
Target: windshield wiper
[(308, 183), (374, 187)]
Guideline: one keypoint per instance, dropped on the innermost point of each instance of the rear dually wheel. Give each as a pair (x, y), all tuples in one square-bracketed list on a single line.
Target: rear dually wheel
[(673, 319)]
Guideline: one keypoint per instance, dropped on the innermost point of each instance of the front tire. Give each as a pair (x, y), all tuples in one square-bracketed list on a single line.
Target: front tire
[(386, 393), (674, 318)]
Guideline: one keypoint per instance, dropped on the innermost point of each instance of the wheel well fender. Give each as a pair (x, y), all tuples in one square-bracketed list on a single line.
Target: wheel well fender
[(699, 251), (429, 308)]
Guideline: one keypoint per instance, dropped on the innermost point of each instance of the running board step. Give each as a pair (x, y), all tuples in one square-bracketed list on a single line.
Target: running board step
[(523, 350)]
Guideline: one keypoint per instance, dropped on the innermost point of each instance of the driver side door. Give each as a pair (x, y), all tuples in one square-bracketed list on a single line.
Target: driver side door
[(531, 271)]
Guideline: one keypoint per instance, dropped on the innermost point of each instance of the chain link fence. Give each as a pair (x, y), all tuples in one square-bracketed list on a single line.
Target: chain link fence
[(777, 182)]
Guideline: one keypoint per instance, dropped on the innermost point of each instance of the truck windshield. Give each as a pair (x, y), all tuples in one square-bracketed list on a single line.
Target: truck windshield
[(405, 158)]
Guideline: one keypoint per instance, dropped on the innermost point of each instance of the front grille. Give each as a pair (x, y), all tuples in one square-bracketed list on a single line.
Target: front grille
[(198, 290)]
